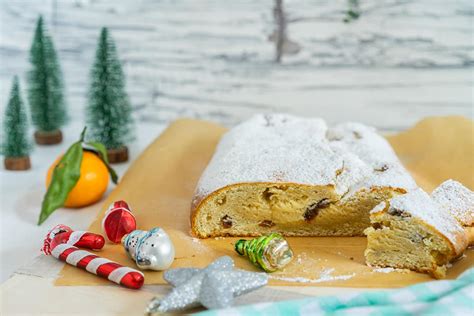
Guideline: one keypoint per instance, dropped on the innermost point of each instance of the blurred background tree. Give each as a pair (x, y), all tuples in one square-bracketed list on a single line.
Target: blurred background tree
[(46, 88), (109, 112), (15, 144)]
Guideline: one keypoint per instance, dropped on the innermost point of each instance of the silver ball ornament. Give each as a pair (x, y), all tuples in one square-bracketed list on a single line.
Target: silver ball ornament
[(151, 250)]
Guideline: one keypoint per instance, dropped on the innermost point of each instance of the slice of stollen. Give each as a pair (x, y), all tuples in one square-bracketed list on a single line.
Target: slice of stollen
[(459, 200), (412, 231)]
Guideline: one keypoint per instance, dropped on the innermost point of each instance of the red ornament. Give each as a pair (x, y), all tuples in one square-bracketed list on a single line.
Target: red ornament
[(62, 234), (118, 221)]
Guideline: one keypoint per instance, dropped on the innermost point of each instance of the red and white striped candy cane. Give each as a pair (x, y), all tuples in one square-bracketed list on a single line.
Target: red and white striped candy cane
[(103, 267), (62, 234)]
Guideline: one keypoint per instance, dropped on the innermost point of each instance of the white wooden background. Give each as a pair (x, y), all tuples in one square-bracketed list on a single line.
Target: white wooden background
[(403, 60)]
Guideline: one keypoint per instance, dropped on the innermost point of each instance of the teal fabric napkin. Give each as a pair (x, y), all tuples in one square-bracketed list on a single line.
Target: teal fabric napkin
[(448, 297)]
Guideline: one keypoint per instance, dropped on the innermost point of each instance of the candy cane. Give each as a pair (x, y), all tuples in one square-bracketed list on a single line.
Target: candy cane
[(62, 234), (103, 267)]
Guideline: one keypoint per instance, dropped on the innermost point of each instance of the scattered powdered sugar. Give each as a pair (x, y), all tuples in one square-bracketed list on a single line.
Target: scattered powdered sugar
[(285, 148), (197, 244), (325, 276), (384, 270), (418, 203), (457, 199), (299, 260), (389, 270)]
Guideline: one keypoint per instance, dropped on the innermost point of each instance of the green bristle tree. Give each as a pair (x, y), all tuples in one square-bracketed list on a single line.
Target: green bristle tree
[(46, 88), (109, 114), (15, 145)]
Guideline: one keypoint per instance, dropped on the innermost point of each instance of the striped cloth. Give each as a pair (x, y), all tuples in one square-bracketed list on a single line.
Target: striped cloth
[(448, 297)]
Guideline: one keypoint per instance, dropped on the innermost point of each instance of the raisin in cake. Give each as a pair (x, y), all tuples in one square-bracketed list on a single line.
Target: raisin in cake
[(413, 231), (295, 176)]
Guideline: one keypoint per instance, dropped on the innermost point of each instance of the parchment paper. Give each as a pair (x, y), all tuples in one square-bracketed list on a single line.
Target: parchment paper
[(160, 183)]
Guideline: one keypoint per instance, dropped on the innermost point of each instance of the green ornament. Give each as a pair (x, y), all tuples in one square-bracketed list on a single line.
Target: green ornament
[(270, 252)]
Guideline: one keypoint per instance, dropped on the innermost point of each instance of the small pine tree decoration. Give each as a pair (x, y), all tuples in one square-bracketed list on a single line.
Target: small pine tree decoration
[(109, 116), (45, 88), (15, 145)]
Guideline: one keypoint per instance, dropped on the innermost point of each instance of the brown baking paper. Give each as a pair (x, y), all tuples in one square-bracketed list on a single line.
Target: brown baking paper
[(159, 186)]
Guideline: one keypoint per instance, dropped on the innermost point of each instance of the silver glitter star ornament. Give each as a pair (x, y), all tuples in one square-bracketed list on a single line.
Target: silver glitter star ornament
[(213, 287)]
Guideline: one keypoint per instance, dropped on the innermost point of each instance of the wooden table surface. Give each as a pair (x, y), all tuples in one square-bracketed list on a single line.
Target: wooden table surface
[(31, 291)]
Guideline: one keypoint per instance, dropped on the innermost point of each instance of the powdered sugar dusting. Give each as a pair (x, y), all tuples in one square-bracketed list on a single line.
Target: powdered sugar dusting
[(275, 148), (378, 208), (382, 166), (325, 276), (418, 203), (457, 199), (285, 148)]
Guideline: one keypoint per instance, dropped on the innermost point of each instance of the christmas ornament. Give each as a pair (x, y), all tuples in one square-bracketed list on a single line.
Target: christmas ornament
[(109, 114), (105, 268), (62, 234), (270, 252), (213, 287), (151, 250), (45, 88), (118, 221), (15, 146), (68, 173)]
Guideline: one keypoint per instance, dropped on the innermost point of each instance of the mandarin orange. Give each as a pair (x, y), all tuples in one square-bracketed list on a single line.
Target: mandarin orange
[(92, 183)]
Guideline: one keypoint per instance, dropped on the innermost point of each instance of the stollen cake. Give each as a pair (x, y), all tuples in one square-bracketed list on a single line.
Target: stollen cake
[(296, 176), (412, 231)]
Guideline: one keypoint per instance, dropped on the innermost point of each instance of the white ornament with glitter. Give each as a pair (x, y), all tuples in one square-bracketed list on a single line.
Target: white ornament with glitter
[(151, 250)]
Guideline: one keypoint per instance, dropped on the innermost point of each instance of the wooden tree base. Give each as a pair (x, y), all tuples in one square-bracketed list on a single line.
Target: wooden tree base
[(117, 155), (17, 163), (48, 138)]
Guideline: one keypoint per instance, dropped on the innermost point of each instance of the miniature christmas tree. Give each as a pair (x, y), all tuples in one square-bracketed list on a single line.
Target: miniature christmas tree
[(15, 146), (109, 112), (45, 88)]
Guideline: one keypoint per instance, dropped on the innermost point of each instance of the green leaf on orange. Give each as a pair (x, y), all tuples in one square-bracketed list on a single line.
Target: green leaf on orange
[(65, 176), (100, 149)]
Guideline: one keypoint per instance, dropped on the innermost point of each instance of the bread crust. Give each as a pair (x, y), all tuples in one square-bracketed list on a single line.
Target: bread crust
[(198, 201), (347, 160)]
